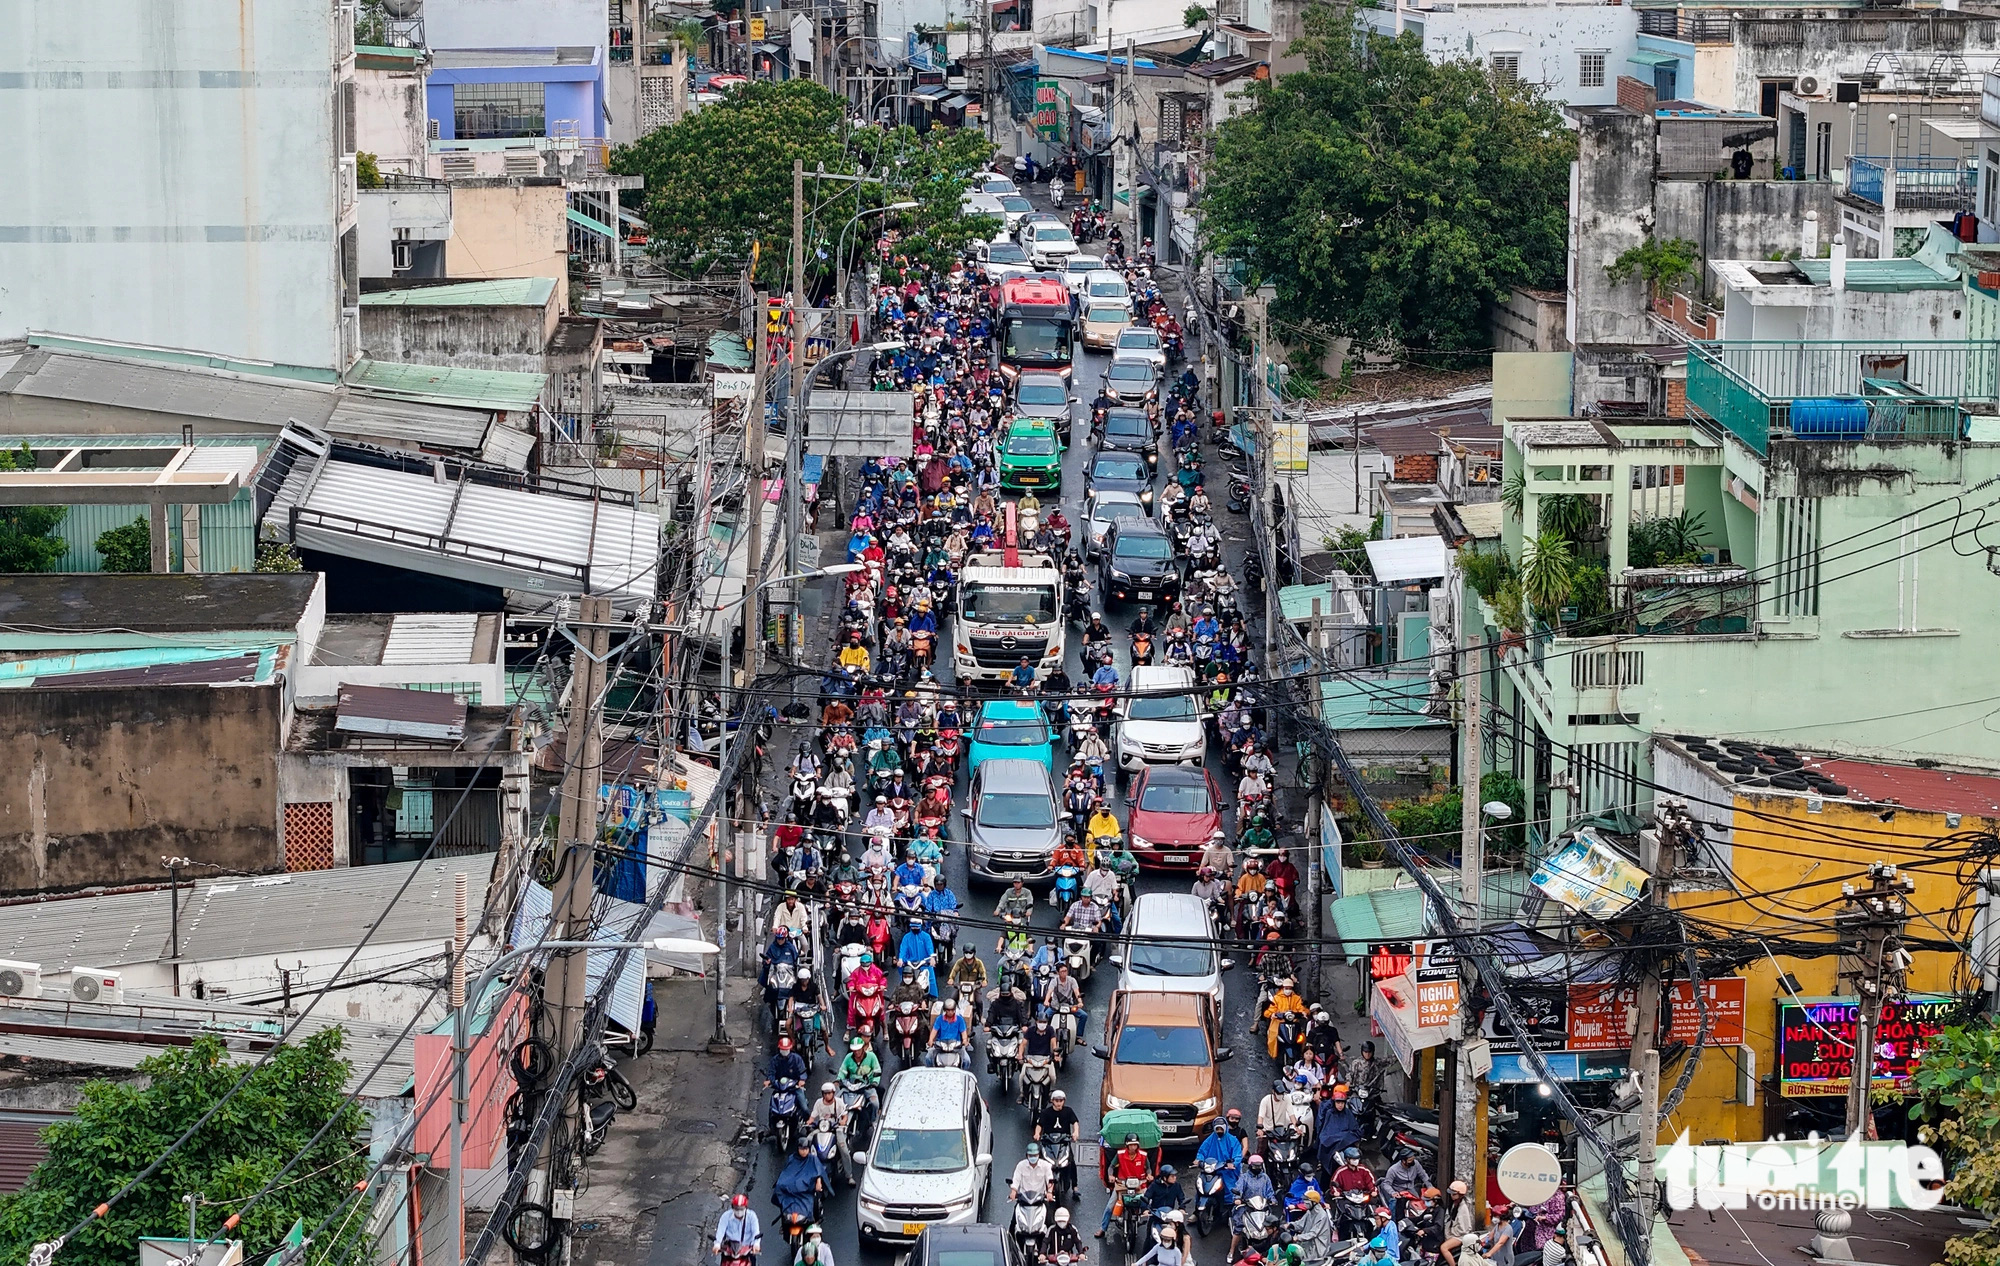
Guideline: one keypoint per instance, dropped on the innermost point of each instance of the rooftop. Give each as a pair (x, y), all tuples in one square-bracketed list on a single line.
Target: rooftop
[(440, 638), (478, 388), (1769, 769), (84, 602), (499, 292)]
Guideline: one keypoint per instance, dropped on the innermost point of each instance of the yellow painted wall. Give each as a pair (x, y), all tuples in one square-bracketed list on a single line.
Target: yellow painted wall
[(509, 229), (1780, 844)]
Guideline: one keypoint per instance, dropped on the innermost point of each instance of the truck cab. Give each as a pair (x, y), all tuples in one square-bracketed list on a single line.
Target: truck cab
[(1160, 1053)]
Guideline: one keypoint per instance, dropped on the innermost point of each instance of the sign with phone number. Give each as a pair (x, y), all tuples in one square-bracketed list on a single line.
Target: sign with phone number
[(1816, 1042)]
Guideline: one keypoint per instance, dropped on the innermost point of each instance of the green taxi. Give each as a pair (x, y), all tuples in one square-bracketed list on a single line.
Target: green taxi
[(1031, 455)]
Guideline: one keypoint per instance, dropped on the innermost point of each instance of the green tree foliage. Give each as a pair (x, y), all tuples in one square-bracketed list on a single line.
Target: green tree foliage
[(1388, 197), (1432, 824), (28, 540), (119, 1128), (1194, 15), (1484, 571), (367, 172), (278, 556), (1548, 573), (1955, 1091), (1666, 542), (1663, 264), (720, 180), (127, 548)]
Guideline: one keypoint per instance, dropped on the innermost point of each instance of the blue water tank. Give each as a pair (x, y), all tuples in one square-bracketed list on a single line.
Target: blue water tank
[(1830, 418)]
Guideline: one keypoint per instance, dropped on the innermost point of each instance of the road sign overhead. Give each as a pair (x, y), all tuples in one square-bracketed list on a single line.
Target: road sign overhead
[(860, 423)]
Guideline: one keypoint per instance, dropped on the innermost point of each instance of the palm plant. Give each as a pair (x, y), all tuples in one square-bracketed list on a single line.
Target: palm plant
[(1548, 572), (1514, 493)]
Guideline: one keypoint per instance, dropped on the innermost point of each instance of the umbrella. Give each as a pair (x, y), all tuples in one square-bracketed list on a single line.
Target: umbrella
[(1122, 1121)]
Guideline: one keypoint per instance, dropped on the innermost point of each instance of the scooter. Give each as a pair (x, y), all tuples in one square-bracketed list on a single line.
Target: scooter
[(1031, 1224), (1003, 1054), (948, 1054), (906, 1022), (1081, 955), (1210, 1196), (1069, 882), (1038, 1077), (787, 1110), (826, 1143), (1059, 1149)]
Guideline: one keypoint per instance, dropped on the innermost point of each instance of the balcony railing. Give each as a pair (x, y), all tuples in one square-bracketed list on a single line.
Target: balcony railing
[(1926, 184), (1841, 391), (1695, 28)]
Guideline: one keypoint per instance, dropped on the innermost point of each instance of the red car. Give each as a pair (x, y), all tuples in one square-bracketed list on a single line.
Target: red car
[(1176, 811)]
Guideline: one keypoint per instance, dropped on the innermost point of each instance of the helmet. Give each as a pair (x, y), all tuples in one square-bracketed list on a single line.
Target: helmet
[(814, 1229), (1312, 1195), (856, 1042), (867, 957), (1062, 1216), (826, 1087), (1220, 1126), (1166, 1171), (966, 951), (783, 932), (951, 1004), (1256, 1160), (1131, 1138), (1235, 1114), (1352, 1153), (739, 1201), (1034, 1149), (784, 1044)]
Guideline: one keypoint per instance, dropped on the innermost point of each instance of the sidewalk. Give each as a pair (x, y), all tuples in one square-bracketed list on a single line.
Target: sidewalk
[(668, 1168)]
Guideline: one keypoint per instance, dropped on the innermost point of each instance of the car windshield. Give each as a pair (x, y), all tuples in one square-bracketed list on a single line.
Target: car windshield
[(1042, 393), (1108, 315), (1162, 708), (1016, 809), (1007, 604), (1111, 466), (1109, 511), (1131, 371), (919, 1151), (1144, 547), (1006, 253), (1030, 446), (1017, 204), (1108, 287), (1051, 233), (1081, 264), (1128, 426), (1013, 731), (1150, 1044), (1139, 340), (1150, 958), (1175, 797)]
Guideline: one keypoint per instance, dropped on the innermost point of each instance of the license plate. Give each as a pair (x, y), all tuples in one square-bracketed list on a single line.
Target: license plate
[(913, 1228), (1178, 858), (1031, 479), (1145, 594)]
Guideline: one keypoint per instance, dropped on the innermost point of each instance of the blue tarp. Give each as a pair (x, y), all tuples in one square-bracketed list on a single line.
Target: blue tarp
[(812, 468), (1241, 437)]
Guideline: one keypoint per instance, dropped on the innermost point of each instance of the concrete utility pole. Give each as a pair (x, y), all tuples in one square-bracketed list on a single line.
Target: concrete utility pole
[(459, 1093), (1874, 964), (1468, 1116), (1674, 833), (576, 822), (795, 435)]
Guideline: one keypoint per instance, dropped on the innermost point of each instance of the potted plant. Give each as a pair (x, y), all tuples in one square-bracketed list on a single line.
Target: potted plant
[(1370, 854)]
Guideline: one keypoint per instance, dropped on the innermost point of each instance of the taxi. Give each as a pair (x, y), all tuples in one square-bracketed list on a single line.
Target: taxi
[(1031, 455)]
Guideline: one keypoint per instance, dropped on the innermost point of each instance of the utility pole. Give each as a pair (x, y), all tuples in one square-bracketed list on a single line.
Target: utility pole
[(459, 1094), (1675, 831), (1468, 1116), (174, 865), (1267, 468), (1874, 964), (567, 979), (795, 434)]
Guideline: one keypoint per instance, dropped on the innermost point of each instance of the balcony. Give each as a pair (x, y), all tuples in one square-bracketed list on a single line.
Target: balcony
[(1842, 391), (1694, 28), (1914, 184)]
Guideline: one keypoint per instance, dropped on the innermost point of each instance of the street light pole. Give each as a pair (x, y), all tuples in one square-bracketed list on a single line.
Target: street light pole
[(456, 1190), (795, 443), (840, 257)]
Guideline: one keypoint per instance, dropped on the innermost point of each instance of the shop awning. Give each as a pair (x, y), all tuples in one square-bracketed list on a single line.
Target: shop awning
[(1653, 61), (933, 93), (957, 101), (1392, 1005)]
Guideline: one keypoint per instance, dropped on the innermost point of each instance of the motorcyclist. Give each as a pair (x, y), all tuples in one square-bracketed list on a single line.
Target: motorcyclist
[(1085, 917), (1286, 999), (791, 913), (1016, 939), (949, 1026), (1113, 1168), (1323, 1037), (854, 655), (1059, 1118), (806, 993), (1254, 1185), (970, 969), (940, 903), (738, 1225), (1102, 884), (1351, 1175), (1006, 1005), (1274, 1112), (860, 1065), (1092, 750), (1226, 1152), (1016, 902), (916, 955), (864, 976), (1208, 887), (1220, 858), (1102, 822), (1368, 1072), (783, 949), (912, 991), (1064, 1239), (1164, 1194), (1404, 1181), (1033, 1177), (785, 1065), (802, 1182), (827, 1108)]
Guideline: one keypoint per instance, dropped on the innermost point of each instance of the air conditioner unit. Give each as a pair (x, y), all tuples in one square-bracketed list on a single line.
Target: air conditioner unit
[(1808, 86), (20, 980), (88, 984)]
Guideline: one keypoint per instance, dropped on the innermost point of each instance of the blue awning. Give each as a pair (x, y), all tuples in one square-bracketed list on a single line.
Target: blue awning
[(812, 468)]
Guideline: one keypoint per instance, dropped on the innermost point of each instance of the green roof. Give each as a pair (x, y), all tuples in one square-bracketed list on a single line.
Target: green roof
[(727, 350), (1377, 702), (174, 356), (1296, 601), (530, 292), (1886, 276), (472, 388), (1397, 914)]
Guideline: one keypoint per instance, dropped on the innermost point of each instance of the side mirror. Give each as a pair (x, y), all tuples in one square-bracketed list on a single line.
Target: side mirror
[(1224, 1052), (983, 1159), (1118, 959), (1228, 964), (1100, 1052), (861, 1158), (966, 813)]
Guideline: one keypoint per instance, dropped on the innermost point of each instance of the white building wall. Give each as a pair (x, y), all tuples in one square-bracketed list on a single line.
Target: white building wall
[(391, 119), (171, 175), (515, 23), (1549, 38)]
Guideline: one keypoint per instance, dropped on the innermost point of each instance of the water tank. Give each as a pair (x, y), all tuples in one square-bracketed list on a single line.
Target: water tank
[(1830, 418), (402, 8)]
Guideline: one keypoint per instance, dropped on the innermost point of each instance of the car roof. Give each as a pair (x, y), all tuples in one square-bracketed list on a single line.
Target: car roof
[(1108, 496), (1144, 361), (1153, 676), (1038, 376), (927, 1098), (1176, 775), (1174, 908), (1009, 709), (1026, 425), (1015, 774), (1107, 273), (1146, 1007), (1139, 527), (1142, 329), (1121, 457), (1135, 416)]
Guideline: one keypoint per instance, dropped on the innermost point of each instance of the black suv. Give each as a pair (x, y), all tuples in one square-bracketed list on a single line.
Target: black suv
[(1138, 563), (1129, 431)]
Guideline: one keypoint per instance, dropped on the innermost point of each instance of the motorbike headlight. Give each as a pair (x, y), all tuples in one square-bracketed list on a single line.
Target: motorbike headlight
[(1114, 1102), (1206, 1105)]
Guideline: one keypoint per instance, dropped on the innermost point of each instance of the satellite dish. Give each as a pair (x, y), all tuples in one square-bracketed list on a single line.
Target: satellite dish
[(402, 8)]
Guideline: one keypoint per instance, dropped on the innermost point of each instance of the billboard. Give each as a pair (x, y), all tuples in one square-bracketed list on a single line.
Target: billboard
[(860, 423), (1816, 1042), (1597, 1014)]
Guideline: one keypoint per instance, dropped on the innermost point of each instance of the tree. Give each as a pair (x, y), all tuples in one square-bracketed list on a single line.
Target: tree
[(120, 1127), (1387, 197), (367, 172), (1548, 573), (278, 556), (1955, 1092), (128, 548), (28, 540), (1664, 264), (720, 180)]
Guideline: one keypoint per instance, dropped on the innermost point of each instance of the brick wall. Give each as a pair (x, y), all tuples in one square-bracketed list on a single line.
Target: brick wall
[(1677, 397), (1421, 468), (1636, 95)]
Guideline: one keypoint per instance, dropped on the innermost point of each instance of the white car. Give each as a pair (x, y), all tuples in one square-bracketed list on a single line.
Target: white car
[(1077, 270), (1167, 946), (1142, 341), (1101, 510), (1160, 721), (1103, 283), (997, 186), (931, 1159), (976, 203), (1048, 245), (1016, 208), (1002, 258)]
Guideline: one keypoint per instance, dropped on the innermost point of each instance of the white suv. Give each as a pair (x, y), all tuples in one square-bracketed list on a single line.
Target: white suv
[(1048, 245), (1160, 719), (931, 1159)]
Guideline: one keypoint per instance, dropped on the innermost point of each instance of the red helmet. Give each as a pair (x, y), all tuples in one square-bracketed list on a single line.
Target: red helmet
[(740, 1201), (784, 1044)]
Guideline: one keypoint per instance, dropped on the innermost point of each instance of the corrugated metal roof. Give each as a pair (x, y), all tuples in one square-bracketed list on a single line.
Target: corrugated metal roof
[(116, 930), (478, 388), (410, 423), (1409, 558), (326, 909), (1887, 276), (618, 923), (183, 667), (21, 1145), (184, 390), (497, 292), (441, 638), (424, 714)]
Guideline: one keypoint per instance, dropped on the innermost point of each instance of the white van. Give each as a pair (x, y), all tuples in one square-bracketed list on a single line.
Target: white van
[(1160, 719), (1168, 946)]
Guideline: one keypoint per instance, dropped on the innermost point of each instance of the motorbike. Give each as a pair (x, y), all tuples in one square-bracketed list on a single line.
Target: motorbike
[(1142, 648), (604, 1081), (1281, 1153), (1069, 882), (865, 1009), (905, 1023), (854, 1100), (948, 1054), (1408, 1126), (1351, 1215), (1059, 1150), (1031, 1224), (1003, 1054), (787, 1111), (1081, 954), (1260, 1223), (1038, 1077), (597, 1119), (1132, 1215), (1210, 1198), (828, 1146)]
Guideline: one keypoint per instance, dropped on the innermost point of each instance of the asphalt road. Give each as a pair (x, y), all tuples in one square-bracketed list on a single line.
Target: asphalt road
[(1245, 1078)]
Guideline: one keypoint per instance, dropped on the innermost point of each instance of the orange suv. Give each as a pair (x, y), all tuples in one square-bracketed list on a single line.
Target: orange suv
[(1160, 1052)]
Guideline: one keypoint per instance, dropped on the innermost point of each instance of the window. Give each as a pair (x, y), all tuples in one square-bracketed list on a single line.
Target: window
[(1507, 67), (492, 111), (1989, 182), (1797, 590), (1590, 69)]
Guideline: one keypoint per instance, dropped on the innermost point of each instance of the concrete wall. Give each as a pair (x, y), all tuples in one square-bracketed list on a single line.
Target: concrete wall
[(171, 175), (1530, 321), (509, 228), (1741, 219), (104, 780), (1547, 37), (514, 23), (423, 215), (475, 337), (1839, 47), (390, 119), (1611, 210)]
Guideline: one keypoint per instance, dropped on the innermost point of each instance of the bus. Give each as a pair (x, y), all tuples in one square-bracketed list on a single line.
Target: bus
[(1037, 328)]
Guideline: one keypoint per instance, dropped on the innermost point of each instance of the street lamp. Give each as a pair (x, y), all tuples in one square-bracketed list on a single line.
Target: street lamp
[(795, 441), (840, 253), (665, 944)]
